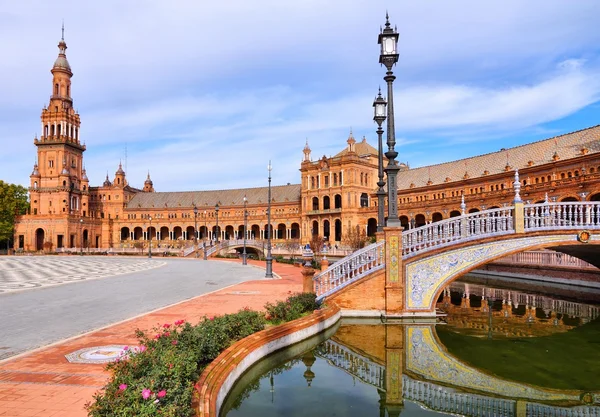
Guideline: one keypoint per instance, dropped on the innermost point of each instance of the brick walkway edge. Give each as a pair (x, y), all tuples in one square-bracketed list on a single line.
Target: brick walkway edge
[(43, 383)]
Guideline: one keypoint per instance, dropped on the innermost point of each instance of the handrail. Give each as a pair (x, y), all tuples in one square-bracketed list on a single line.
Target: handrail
[(493, 222), (562, 215), (349, 269)]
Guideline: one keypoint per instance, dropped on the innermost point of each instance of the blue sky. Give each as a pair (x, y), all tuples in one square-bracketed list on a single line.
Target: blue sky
[(202, 94)]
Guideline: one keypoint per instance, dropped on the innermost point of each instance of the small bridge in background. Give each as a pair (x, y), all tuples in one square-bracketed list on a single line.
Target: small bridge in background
[(406, 271)]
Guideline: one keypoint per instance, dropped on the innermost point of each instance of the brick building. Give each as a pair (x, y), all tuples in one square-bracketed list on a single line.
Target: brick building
[(335, 194)]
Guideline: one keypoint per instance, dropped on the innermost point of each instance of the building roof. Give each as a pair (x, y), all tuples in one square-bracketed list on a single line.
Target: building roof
[(361, 148), (566, 146), (208, 199)]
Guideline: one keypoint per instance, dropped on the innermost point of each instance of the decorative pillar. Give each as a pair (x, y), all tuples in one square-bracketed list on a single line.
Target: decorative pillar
[(394, 271), (519, 213), (308, 273)]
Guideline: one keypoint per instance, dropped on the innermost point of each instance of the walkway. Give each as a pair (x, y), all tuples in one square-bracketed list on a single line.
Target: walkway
[(44, 383)]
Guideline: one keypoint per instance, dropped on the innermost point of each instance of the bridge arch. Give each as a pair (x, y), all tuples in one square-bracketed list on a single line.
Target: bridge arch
[(124, 233), (426, 277)]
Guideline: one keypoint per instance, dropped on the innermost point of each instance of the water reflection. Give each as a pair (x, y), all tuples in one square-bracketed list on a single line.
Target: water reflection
[(424, 369)]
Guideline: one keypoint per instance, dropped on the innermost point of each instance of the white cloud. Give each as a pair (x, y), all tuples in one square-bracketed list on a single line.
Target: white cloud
[(203, 93)]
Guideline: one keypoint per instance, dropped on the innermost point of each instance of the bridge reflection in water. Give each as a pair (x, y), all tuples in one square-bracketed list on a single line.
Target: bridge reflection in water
[(408, 362)]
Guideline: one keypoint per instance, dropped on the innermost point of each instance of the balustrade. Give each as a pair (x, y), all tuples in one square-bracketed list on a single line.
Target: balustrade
[(564, 215), (350, 269)]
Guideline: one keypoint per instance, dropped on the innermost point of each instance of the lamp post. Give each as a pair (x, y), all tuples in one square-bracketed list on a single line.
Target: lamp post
[(379, 106), (244, 262), (81, 234), (217, 215), (206, 234), (196, 230), (388, 39), (269, 272), (150, 233)]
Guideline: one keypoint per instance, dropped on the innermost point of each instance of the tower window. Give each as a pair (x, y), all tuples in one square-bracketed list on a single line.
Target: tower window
[(56, 89)]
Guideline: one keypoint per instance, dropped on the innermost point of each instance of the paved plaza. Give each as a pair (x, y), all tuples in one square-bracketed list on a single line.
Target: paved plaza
[(48, 298), (45, 383), (26, 272)]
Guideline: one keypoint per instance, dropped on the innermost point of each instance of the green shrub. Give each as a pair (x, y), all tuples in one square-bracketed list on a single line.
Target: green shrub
[(157, 378), (292, 308)]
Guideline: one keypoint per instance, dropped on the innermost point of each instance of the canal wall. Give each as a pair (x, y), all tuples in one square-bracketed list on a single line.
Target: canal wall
[(570, 276)]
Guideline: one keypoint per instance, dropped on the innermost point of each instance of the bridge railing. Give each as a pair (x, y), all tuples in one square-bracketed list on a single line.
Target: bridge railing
[(563, 215), (349, 269), (221, 245), (478, 225)]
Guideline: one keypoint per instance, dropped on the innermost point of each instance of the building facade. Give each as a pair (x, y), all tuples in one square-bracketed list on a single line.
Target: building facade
[(335, 198)]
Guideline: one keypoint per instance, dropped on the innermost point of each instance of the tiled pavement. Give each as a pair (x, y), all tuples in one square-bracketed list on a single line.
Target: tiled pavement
[(44, 383)]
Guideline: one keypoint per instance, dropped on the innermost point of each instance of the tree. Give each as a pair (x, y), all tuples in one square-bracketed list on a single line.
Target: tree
[(316, 244), (13, 202), (356, 238)]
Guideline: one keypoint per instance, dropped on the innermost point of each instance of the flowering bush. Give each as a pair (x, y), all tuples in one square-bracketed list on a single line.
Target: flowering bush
[(157, 377)]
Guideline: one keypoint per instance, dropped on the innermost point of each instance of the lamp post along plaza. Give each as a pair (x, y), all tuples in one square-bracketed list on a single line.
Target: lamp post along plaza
[(150, 233), (379, 106), (196, 230), (244, 262), (81, 235), (217, 227), (269, 272), (388, 39), (206, 234)]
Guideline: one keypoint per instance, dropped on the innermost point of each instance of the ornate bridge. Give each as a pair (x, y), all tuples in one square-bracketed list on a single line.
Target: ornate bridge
[(419, 263), (440, 382)]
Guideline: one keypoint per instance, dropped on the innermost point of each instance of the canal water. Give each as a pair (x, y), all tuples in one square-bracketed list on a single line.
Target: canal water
[(503, 348)]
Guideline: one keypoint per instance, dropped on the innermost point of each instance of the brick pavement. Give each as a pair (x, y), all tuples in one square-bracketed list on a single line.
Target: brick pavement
[(44, 383)]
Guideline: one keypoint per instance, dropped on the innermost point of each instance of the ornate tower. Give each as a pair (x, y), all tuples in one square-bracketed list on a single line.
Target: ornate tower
[(58, 185), (148, 186)]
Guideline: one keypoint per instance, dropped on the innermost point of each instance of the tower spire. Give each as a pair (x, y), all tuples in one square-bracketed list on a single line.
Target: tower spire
[(62, 38)]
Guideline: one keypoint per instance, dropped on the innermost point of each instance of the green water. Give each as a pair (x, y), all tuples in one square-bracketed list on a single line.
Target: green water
[(474, 362)]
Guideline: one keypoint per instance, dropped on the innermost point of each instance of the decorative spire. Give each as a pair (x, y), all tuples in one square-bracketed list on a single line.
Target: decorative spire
[(61, 62), (107, 182), (62, 38), (120, 170), (517, 187), (463, 206), (306, 151), (351, 142)]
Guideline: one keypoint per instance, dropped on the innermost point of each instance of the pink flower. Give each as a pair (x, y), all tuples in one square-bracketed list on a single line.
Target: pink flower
[(166, 325), (179, 322), (122, 387), (146, 393), (167, 334), (211, 318), (161, 394), (157, 336), (126, 348), (174, 342), (170, 366), (142, 348)]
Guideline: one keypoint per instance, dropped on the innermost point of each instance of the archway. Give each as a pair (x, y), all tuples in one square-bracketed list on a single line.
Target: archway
[(177, 233), (189, 232), (315, 228), (229, 232), (85, 237), (164, 233), (315, 203), (124, 233), (326, 203), (474, 210), (255, 232), (420, 220), (437, 217), (338, 230), (295, 232), (326, 231), (595, 197), (39, 239), (371, 227), (364, 200), (281, 231), (137, 233), (404, 222), (455, 213), (337, 201), (568, 199)]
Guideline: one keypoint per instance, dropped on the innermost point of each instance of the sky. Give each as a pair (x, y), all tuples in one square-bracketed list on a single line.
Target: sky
[(202, 94)]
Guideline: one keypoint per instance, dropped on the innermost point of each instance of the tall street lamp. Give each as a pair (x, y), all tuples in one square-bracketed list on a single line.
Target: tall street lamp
[(196, 229), (269, 273), (245, 228), (379, 109), (150, 233), (388, 39), (81, 234), (217, 215), (206, 234)]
